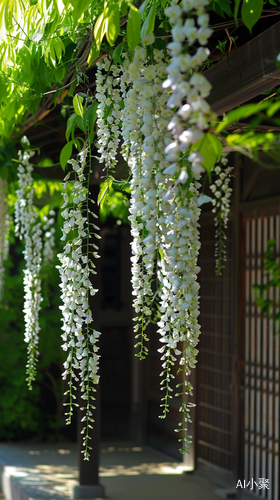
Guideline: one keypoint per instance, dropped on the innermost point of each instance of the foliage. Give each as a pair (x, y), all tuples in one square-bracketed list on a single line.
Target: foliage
[(266, 293), (51, 39), (113, 201)]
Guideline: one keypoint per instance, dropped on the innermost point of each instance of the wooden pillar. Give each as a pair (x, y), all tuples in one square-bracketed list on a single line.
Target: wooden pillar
[(89, 486)]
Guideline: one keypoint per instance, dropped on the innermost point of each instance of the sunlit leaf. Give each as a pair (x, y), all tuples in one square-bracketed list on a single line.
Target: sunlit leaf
[(142, 8), (273, 109), (251, 139), (78, 105), (240, 113), (100, 28), (149, 23), (133, 28), (45, 162), (104, 188), (211, 149), (80, 7), (113, 27)]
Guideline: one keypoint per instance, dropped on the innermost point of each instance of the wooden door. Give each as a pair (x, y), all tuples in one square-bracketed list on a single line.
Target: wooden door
[(216, 412), (262, 358)]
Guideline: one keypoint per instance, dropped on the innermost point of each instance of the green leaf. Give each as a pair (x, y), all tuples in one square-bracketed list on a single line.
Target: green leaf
[(133, 28), (222, 46), (65, 154), (149, 23), (252, 139), (70, 129), (117, 53), (273, 109), (78, 105), (211, 148), (93, 53), (142, 8), (91, 115), (113, 27), (78, 142), (80, 8), (221, 7), (104, 187), (242, 112), (250, 12), (45, 163), (271, 243), (81, 123), (59, 74), (100, 28), (161, 253), (90, 137), (236, 8)]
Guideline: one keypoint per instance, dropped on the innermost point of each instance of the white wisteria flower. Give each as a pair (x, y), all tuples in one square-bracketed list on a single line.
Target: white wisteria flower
[(179, 297), (109, 113), (144, 130), (49, 238), (189, 87), (28, 228), (221, 207), (76, 267), (4, 233)]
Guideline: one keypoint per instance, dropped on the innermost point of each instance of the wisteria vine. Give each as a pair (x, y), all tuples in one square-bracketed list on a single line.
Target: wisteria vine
[(76, 267), (152, 106), (165, 115), (4, 233), (28, 228), (221, 207)]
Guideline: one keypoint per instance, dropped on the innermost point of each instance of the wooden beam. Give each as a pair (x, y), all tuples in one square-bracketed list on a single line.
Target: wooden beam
[(246, 72)]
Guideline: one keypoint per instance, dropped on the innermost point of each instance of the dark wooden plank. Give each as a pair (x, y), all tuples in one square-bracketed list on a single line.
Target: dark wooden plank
[(238, 292), (214, 447), (246, 72), (264, 203)]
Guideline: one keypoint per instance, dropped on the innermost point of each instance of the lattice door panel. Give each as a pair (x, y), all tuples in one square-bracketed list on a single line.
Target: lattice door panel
[(215, 361), (262, 358)]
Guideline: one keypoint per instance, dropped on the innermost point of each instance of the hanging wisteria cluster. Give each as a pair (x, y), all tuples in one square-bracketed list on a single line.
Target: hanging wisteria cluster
[(49, 238), (152, 104), (221, 207), (39, 241), (189, 88), (165, 114), (180, 243), (145, 138), (109, 113), (4, 233), (76, 267), (28, 228)]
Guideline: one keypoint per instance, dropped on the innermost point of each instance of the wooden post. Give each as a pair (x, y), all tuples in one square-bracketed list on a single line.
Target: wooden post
[(89, 486)]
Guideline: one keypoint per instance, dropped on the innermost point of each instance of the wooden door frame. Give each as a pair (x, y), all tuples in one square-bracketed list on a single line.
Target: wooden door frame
[(239, 346)]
